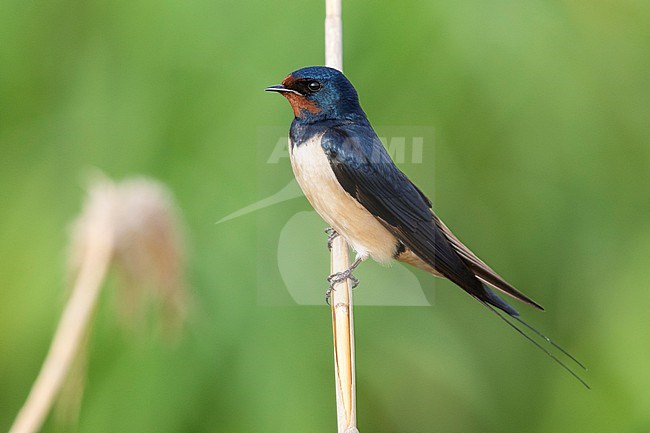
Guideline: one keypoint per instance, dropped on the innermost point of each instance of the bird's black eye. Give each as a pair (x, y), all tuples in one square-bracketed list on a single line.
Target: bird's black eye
[(314, 86)]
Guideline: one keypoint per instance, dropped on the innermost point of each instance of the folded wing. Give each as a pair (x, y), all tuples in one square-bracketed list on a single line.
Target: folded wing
[(367, 173)]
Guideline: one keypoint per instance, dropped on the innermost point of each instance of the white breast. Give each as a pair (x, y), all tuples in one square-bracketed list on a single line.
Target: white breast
[(340, 210)]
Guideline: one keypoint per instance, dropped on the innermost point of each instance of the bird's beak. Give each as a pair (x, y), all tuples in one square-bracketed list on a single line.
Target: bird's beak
[(281, 89)]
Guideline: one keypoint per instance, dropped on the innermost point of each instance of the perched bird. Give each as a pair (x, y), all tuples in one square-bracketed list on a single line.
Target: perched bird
[(349, 178)]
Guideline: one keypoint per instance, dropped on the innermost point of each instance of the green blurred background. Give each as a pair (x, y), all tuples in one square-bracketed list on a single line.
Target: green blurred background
[(542, 165)]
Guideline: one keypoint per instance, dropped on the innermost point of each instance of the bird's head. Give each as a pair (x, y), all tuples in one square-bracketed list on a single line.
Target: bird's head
[(318, 93)]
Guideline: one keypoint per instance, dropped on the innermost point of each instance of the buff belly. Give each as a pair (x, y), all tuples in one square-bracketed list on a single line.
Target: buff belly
[(348, 217)]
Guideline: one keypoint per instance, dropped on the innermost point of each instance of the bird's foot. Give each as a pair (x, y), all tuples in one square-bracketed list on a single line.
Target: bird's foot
[(337, 278), (331, 235)]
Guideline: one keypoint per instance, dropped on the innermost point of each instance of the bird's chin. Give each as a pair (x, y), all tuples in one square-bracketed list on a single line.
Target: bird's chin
[(301, 105)]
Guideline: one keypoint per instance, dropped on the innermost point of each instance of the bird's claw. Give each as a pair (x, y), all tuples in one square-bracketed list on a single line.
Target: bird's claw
[(328, 295), (337, 278), (331, 235)]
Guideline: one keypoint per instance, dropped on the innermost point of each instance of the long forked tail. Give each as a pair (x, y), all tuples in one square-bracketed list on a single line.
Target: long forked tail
[(507, 320)]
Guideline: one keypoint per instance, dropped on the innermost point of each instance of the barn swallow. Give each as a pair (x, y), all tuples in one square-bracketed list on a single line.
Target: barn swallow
[(351, 181)]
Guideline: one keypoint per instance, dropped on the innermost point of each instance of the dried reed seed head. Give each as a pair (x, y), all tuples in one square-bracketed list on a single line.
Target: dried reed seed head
[(140, 219), (149, 251), (136, 226)]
